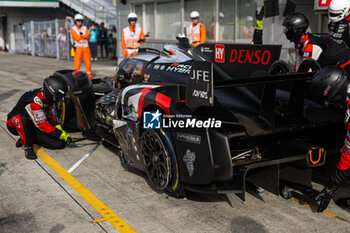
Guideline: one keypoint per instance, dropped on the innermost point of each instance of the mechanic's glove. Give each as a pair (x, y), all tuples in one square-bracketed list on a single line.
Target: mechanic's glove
[(324, 197), (59, 127), (64, 135), (259, 18), (67, 138)]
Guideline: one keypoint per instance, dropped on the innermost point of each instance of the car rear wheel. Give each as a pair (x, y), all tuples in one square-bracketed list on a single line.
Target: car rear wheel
[(156, 159)]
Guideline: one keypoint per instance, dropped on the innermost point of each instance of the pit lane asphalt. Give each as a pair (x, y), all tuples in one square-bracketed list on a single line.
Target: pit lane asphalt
[(34, 198)]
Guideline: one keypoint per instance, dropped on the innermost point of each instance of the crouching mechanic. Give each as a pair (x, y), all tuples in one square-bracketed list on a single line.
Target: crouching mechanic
[(308, 46), (33, 121), (329, 86)]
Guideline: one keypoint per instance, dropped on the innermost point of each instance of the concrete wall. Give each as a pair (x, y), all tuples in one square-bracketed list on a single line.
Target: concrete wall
[(15, 14)]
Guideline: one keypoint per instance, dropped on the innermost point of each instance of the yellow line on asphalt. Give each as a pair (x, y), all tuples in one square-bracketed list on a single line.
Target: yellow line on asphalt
[(99, 220), (314, 207), (106, 212)]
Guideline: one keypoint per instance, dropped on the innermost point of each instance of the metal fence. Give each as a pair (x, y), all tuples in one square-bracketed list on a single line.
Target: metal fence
[(48, 38), (53, 39)]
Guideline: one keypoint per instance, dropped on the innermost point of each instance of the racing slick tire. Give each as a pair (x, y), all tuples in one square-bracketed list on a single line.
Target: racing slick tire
[(160, 162), (280, 67), (64, 113), (309, 65)]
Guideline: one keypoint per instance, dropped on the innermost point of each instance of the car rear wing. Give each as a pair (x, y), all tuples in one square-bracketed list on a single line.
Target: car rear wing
[(201, 85)]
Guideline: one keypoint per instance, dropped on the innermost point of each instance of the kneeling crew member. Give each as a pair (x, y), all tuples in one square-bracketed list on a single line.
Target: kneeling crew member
[(196, 32), (33, 121), (330, 85), (133, 36), (324, 50)]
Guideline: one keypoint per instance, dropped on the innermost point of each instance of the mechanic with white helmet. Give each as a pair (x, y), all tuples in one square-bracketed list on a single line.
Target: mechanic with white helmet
[(80, 36), (339, 19), (196, 32), (132, 37)]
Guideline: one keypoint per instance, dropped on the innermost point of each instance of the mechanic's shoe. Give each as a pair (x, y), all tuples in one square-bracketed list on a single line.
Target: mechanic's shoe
[(19, 143), (29, 153)]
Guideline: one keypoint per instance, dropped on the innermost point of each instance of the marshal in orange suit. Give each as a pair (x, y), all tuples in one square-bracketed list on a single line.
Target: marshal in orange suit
[(80, 36)]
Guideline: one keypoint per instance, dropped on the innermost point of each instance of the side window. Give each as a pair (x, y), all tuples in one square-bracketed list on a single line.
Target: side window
[(130, 72)]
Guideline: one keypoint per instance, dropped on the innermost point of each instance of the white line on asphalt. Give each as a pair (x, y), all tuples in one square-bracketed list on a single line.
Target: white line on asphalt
[(70, 170)]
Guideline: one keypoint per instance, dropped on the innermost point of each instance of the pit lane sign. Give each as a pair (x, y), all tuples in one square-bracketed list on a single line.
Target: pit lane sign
[(322, 4), (241, 60), (200, 88)]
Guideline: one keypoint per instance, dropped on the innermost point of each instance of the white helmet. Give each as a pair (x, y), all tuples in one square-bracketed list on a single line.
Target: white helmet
[(194, 15), (78, 17), (338, 10), (132, 15)]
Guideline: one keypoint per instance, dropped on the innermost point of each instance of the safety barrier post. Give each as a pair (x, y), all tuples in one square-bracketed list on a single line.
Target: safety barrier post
[(32, 37), (57, 42)]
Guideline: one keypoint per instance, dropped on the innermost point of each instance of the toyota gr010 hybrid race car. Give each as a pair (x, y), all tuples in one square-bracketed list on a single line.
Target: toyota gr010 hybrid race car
[(208, 119)]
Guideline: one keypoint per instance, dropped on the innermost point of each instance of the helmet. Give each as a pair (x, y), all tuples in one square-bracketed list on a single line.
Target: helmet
[(330, 85), (132, 16), (294, 25), (54, 87), (221, 15), (338, 10), (78, 17), (194, 15)]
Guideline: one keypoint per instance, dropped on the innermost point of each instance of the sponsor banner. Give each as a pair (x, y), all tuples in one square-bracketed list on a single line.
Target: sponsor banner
[(322, 4), (29, 3), (241, 60), (199, 90)]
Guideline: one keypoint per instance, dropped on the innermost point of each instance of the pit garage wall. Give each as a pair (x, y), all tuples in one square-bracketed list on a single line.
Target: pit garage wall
[(272, 26), (15, 14)]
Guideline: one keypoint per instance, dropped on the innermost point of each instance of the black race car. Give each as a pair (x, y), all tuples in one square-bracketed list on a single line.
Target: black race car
[(208, 119)]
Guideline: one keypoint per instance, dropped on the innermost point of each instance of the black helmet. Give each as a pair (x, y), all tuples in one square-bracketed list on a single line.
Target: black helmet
[(330, 85), (54, 87), (294, 26)]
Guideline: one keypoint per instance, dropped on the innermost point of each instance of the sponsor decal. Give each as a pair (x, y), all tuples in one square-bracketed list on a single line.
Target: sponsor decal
[(39, 116), (220, 53), (206, 50), (189, 159), (194, 139), (307, 54), (179, 68), (38, 101), (250, 56), (152, 120), (200, 90)]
